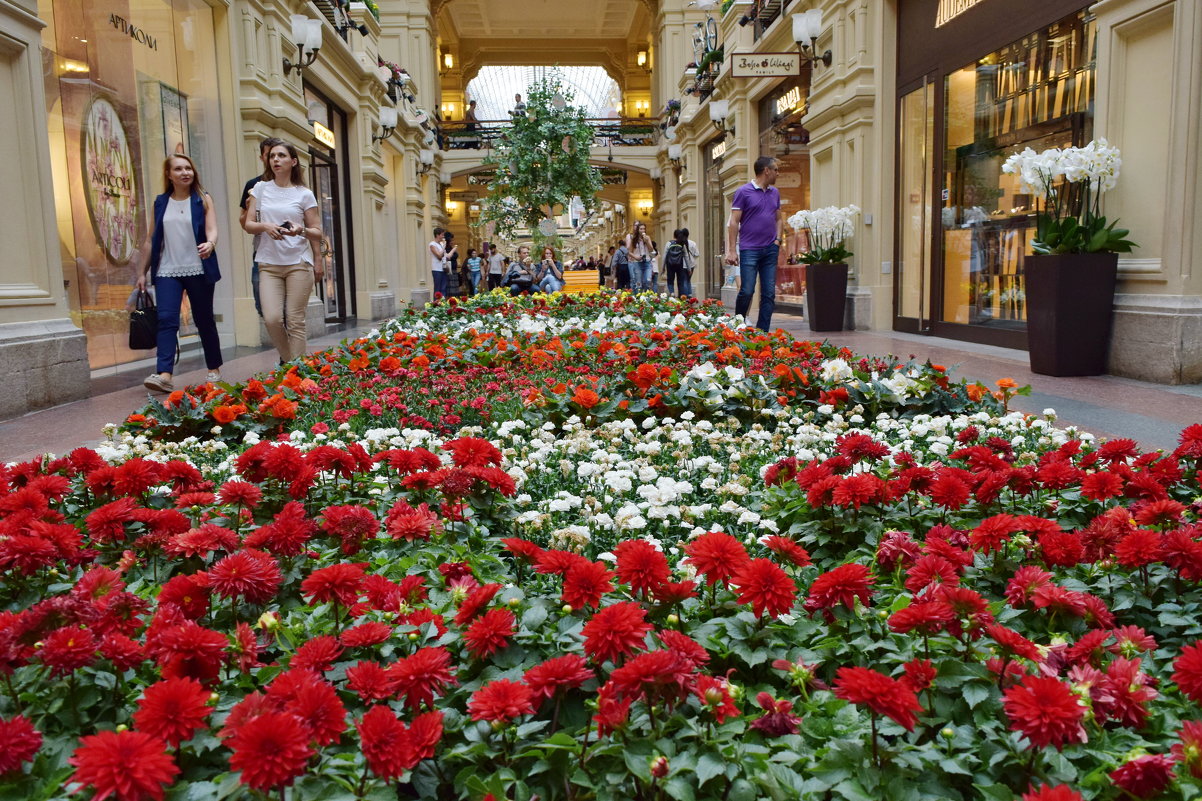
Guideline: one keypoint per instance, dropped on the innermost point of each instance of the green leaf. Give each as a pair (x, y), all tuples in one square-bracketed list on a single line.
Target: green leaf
[(974, 693), (709, 766), (680, 788)]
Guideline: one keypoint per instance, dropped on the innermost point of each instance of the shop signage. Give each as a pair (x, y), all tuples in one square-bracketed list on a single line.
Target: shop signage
[(110, 184), (133, 31), (324, 135), (789, 102), (718, 150), (950, 9), (765, 65)]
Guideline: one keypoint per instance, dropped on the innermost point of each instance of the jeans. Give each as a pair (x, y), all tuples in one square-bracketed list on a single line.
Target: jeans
[(170, 295), (494, 281), (640, 275), (440, 282), (550, 284), (285, 289), (254, 285), (475, 276), (683, 280), (761, 263)]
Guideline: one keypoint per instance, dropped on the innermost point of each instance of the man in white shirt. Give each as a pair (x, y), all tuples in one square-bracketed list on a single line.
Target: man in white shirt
[(438, 261), (496, 267)]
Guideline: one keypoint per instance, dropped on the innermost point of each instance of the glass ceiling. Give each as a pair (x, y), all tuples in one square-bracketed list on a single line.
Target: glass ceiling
[(493, 89)]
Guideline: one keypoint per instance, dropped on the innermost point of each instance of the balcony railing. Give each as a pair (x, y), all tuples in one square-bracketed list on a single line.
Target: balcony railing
[(766, 12), (607, 132)]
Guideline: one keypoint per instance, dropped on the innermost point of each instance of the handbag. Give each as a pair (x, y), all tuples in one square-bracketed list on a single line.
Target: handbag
[(143, 323)]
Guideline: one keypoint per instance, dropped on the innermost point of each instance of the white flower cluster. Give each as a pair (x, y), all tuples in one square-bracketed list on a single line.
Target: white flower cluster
[(1098, 163), (829, 226)]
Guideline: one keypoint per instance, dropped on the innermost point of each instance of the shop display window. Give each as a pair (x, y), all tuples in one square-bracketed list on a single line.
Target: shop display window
[(1036, 92), (128, 82)]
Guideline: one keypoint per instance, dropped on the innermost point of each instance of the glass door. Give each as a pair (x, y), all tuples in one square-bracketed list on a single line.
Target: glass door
[(915, 207), (713, 250), (332, 288)]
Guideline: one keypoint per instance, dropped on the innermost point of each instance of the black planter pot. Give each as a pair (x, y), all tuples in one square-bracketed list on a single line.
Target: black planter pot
[(1070, 306), (826, 296)]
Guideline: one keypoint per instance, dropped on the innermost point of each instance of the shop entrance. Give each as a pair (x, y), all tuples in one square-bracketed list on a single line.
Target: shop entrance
[(330, 185), (713, 249)]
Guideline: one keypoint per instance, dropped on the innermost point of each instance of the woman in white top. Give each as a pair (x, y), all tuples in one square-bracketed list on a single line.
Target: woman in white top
[(284, 209), (640, 250), (178, 257)]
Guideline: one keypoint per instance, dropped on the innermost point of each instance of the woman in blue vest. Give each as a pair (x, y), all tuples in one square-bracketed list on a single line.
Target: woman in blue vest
[(179, 257)]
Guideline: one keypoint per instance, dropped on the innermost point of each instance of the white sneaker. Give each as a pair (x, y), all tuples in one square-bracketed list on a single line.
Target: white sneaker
[(156, 382), (213, 376)]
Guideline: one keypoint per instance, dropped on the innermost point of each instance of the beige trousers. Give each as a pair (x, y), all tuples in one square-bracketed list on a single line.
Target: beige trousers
[(284, 293)]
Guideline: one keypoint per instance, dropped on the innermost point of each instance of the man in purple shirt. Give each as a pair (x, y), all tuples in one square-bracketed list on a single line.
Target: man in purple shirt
[(757, 222)]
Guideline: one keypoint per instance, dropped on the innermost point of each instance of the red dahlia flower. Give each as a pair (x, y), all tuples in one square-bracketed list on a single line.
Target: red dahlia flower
[(19, 742), (127, 765), (641, 565), (612, 711), (788, 550), (239, 493), (341, 583), (717, 556), (351, 524), (778, 718), (1101, 485), (1189, 751), (1145, 776), (674, 592), (189, 650), (270, 750), (1046, 711), (317, 654), (843, 585), (313, 701), (405, 522), (420, 676), (365, 635), (173, 710), (586, 583), (68, 649), (501, 701), (1013, 643), (386, 743), (713, 693), (1188, 672), (765, 586), (880, 693), (251, 574), (489, 633), (654, 677), (475, 602), (928, 617), (615, 631), (560, 673), (286, 535), (473, 452), (920, 674), (371, 681), (523, 549)]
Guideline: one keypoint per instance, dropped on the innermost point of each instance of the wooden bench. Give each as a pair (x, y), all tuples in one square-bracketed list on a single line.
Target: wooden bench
[(581, 281)]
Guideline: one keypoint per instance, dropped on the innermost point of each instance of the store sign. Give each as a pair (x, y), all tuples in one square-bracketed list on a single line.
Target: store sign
[(110, 184), (133, 31), (718, 150), (950, 9), (324, 135), (789, 102), (765, 65)]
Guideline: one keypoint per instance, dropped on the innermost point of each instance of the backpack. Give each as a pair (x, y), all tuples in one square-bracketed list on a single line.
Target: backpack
[(674, 256)]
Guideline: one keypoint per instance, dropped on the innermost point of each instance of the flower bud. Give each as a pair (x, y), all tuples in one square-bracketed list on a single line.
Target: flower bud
[(947, 733), (214, 698), (122, 727), (413, 636), (659, 767), (567, 609), (673, 620), (514, 602), (269, 621)]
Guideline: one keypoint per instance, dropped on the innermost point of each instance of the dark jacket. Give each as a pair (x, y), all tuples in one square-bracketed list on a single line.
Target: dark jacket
[(212, 273)]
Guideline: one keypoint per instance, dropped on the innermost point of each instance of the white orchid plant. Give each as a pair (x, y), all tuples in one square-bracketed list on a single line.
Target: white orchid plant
[(1069, 183), (829, 227)]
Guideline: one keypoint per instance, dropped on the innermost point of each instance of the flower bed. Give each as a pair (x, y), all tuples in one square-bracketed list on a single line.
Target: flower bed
[(741, 568)]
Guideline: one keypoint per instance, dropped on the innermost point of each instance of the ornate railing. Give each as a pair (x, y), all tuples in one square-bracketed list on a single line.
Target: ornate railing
[(766, 12), (607, 132)]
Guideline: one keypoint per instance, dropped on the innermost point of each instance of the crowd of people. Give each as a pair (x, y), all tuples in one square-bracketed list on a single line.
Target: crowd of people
[(633, 263)]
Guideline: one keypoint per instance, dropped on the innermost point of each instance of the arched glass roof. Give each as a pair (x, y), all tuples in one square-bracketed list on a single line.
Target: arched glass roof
[(493, 89)]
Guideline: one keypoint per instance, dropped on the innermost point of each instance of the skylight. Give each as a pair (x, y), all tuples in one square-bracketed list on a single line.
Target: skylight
[(493, 89)]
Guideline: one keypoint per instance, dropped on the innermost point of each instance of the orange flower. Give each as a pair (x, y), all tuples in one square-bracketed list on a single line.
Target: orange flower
[(420, 363), (975, 392), (938, 368), (1006, 383), (586, 397), (174, 399), (254, 390), (390, 363), (226, 414)]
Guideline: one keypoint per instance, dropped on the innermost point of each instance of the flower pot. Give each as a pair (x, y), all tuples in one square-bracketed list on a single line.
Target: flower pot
[(1070, 306), (826, 296)]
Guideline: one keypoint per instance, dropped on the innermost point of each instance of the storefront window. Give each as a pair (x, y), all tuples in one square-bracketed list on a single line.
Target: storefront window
[(783, 137), (128, 82), (327, 153), (916, 153), (1036, 92), (713, 248)]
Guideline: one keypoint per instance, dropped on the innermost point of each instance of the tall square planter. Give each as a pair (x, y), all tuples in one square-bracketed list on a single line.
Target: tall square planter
[(1070, 308), (826, 296)]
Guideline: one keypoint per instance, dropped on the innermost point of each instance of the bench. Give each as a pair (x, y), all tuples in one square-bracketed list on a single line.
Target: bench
[(581, 281)]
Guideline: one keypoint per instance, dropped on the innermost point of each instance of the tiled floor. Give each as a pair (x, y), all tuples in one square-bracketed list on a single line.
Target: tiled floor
[(1107, 406)]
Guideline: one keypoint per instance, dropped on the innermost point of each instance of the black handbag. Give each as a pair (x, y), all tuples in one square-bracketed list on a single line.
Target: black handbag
[(143, 323)]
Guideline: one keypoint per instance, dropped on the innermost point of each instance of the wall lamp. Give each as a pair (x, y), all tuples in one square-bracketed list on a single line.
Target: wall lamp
[(306, 35), (448, 61), (719, 114), (676, 156), (387, 123), (807, 27), (657, 175), (643, 60), (425, 160)]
